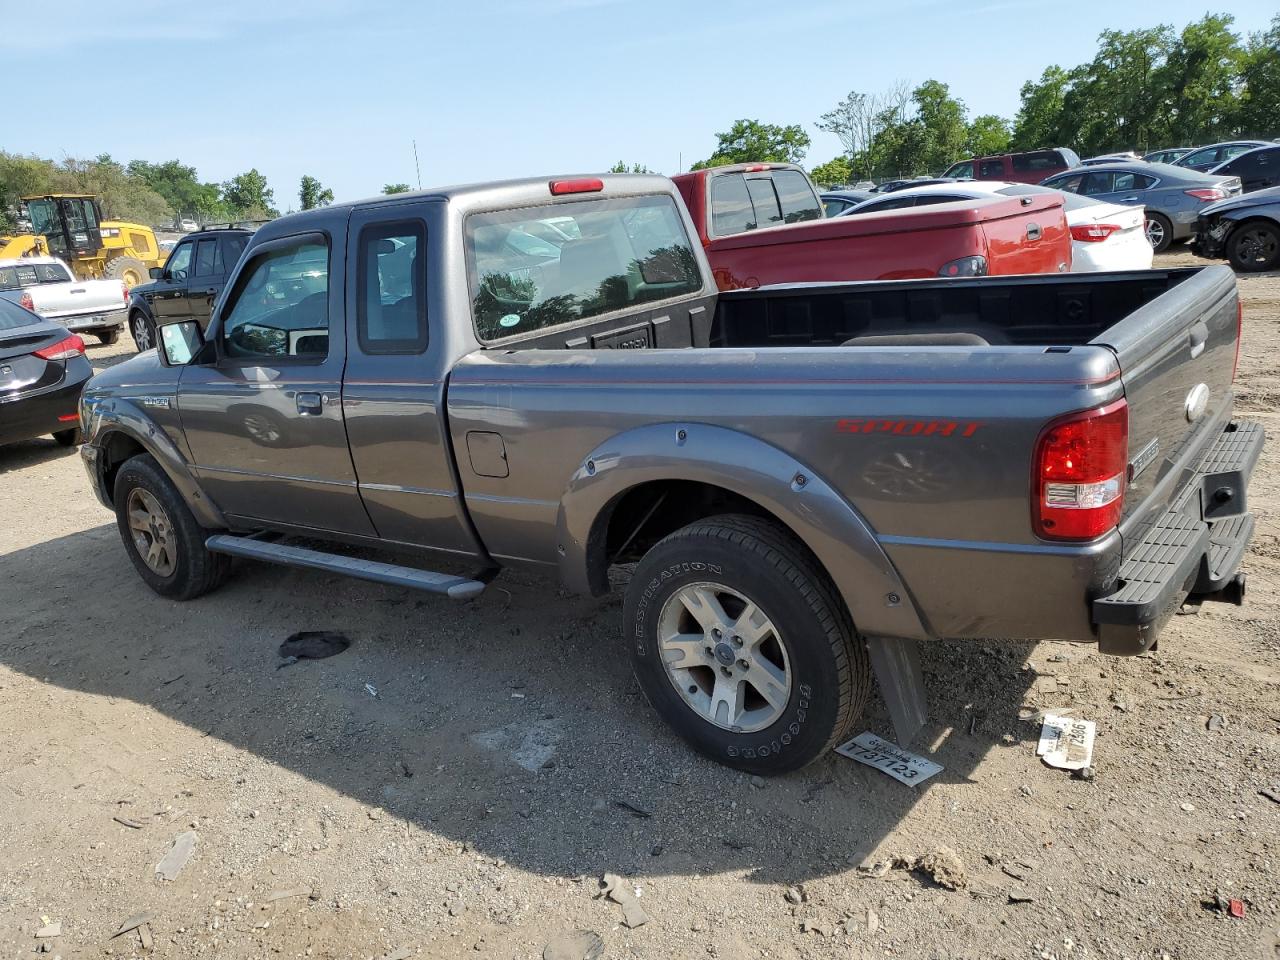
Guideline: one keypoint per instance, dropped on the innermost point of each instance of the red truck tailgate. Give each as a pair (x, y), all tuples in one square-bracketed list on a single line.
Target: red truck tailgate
[(1026, 234)]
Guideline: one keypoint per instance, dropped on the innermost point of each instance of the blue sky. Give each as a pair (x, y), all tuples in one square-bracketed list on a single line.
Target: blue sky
[(500, 88)]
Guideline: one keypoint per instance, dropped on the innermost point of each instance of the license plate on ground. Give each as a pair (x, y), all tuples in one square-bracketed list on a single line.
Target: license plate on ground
[(889, 758)]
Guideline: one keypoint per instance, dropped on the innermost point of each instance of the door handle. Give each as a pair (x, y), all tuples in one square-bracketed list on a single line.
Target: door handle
[(1197, 338), (310, 404), (211, 292), (1126, 200)]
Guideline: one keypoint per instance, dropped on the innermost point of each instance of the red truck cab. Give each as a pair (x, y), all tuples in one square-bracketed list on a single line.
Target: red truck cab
[(762, 224)]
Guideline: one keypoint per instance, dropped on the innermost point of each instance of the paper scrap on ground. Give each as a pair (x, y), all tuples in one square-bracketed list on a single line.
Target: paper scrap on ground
[(1067, 743), (177, 857), (902, 765)]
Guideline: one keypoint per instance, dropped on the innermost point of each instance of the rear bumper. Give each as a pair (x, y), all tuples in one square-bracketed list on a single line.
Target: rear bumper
[(92, 321), (38, 414), (1194, 548)]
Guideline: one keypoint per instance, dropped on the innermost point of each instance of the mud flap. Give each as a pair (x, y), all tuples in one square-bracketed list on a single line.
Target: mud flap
[(896, 664)]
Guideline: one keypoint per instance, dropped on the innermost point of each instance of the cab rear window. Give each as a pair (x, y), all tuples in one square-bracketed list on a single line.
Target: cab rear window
[(19, 276), (539, 267)]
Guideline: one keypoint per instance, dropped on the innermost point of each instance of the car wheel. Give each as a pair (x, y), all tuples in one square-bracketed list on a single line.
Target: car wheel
[(1159, 232), (160, 534), (739, 641), (144, 332), (108, 337), (68, 438), (1254, 246)]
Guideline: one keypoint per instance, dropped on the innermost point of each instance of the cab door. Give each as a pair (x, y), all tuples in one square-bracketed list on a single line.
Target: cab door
[(208, 274), (263, 418), (167, 294)]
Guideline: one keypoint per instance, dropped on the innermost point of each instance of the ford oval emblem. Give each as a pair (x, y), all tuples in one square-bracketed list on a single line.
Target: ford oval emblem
[(1197, 402)]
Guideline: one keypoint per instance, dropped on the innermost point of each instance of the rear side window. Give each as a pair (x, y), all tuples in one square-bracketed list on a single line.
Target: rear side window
[(796, 197), (206, 257), (993, 169), (392, 288), (539, 267), (235, 246), (1045, 160), (281, 305), (22, 275), (731, 210)]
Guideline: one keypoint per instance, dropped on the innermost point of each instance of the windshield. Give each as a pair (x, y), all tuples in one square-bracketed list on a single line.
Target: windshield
[(44, 217)]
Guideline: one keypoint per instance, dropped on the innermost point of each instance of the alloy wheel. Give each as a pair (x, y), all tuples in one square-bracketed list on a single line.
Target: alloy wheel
[(152, 532), (1155, 233), (724, 657), (141, 333)]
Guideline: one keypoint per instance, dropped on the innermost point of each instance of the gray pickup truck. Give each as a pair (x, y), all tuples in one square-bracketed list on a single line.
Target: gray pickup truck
[(809, 480)]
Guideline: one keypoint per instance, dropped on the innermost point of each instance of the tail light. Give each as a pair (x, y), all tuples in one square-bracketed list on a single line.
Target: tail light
[(62, 350), (964, 267), (588, 185), (1207, 194), (1093, 232), (1080, 467), (1239, 336), (27, 303)]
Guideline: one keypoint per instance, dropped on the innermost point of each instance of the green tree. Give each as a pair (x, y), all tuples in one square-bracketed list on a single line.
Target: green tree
[(312, 193), (1200, 81), (393, 188), (249, 196), (21, 176), (180, 187), (986, 135), (1039, 119), (750, 141), (123, 197), (621, 167), (834, 173), (858, 119), (944, 130), (1258, 109)]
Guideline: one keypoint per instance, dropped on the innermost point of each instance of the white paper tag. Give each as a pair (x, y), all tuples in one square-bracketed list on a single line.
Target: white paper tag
[(903, 766), (1066, 743)]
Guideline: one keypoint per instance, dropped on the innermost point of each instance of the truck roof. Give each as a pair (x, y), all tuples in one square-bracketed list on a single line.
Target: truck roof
[(468, 197)]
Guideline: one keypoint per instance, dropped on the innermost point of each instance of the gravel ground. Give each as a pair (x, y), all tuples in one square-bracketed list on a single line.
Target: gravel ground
[(456, 783)]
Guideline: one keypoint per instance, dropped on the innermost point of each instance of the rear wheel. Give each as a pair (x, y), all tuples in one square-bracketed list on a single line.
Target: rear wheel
[(739, 641), (160, 534), (1254, 246), (1159, 231), (128, 270), (144, 333), (108, 337)]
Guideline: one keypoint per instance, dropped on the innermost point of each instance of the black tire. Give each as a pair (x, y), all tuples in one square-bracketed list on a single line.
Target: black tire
[(1254, 246), (129, 270), (195, 571), (1159, 232), (830, 674), (142, 330), (68, 438), (108, 337)]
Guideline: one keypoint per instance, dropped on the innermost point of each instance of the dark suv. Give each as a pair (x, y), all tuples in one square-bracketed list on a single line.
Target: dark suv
[(188, 283)]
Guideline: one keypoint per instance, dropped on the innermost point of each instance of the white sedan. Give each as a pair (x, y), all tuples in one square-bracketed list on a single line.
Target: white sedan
[(1104, 236)]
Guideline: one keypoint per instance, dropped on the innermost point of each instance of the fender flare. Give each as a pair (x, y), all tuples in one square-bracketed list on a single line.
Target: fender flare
[(811, 508), (122, 415)]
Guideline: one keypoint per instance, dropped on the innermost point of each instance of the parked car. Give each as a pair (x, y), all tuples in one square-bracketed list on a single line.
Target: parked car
[(776, 474), (1030, 167), (1257, 169), (187, 284), (42, 371), (1173, 196), (836, 201), (187, 225), (1245, 230), (1206, 158), (734, 205), (1167, 155), (46, 286), (1104, 236)]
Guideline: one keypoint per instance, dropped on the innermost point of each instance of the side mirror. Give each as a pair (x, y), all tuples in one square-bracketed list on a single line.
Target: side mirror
[(156, 273), (180, 341)]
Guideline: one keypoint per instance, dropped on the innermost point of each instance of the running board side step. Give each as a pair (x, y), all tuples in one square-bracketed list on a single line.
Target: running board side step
[(455, 588)]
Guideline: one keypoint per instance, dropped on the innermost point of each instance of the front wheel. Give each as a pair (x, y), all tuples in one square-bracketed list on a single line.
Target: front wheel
[(160, 534), (739, 641), (1159, 232), (144, 334), (1254, 246)]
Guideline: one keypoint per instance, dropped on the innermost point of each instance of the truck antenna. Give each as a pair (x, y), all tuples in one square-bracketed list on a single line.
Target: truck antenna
[(415, 163)]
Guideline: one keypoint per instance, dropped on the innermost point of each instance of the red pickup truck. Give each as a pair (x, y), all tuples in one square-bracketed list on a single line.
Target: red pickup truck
[(762, 223)]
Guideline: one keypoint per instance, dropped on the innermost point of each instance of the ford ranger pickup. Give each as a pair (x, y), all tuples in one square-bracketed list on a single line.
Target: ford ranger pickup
[(803, 482), (762, 223)]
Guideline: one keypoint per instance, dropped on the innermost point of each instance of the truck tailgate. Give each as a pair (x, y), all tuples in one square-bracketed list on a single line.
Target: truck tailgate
[(55, 301), (1177, 359), (1027, 234)]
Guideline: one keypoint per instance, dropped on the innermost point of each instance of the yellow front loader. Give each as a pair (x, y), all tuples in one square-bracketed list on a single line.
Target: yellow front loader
[(70, 226)]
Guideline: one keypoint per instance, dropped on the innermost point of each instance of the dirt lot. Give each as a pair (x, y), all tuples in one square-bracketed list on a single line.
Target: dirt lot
[(456, 782)]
